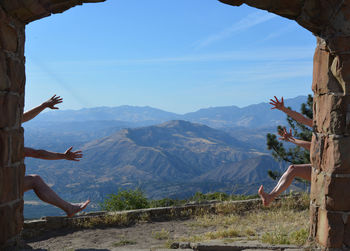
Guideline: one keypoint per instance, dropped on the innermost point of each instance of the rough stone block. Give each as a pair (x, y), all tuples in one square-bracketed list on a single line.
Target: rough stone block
[(13, 188), (11, 107), (323, 80), (316, 14), (16, 74), (340, 69), (346, 240), (8, 37), (332, 114), (317, 194), (341, 21), (316, 151), (11, 219), (288, 9), (16, 9), (4, 149), (4, 80), (330, 229), (335, 155), (17, 146), (334, 190), (339, 44), (313, 221)]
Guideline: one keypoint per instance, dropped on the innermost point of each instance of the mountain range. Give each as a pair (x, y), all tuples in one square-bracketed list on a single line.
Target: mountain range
[(252, 116), (174, 159)]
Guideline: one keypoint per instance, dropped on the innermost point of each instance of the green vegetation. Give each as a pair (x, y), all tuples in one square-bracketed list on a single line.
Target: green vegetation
[(136, 199), (125, 200), (285, 236), (161, 235), (124, 242)]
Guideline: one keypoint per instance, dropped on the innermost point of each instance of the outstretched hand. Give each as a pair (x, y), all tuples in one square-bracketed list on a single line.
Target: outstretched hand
[(75, 156), (54, 100), (279, 105), (285, 135)]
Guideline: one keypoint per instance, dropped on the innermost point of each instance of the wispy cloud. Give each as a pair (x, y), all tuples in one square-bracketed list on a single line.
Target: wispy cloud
[(275, 71), (285, 30), (282, 53), (245, 23)]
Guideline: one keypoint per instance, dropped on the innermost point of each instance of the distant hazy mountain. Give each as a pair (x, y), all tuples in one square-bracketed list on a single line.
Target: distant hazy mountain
[(253, 116), (120, 113), (171, 159)]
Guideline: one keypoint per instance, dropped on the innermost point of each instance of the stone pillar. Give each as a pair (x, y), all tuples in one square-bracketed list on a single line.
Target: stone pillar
[(12, 80), (330, 151)]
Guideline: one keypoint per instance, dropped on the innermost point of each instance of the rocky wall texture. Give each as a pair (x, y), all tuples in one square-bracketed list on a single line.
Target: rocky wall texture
[(12, 79), (14, 14), (329, 20)]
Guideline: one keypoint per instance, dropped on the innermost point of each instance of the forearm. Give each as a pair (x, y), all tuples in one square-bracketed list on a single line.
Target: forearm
[(301, 143), (43, 154), (33, 113), (297, 116)]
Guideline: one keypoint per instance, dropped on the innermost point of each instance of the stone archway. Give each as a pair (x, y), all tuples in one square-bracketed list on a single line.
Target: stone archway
[(329, 20), (14, 15)]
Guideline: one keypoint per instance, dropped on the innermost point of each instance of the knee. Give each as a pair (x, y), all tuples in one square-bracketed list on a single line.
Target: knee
[(291, 169), (35, 179)]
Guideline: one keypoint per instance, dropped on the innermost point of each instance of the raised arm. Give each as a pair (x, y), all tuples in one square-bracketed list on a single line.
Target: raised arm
[(43, 154), (279, 105), (54, 100), (287, 136)]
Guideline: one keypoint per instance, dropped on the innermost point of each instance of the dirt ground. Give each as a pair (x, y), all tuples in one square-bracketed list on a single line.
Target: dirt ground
[(139, 236)]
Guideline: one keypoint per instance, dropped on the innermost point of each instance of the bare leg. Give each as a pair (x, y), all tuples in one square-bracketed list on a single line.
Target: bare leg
[(301, 171), (46, 194)]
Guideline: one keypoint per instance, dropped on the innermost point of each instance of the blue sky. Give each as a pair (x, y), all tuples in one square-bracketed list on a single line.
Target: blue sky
[(178, 56)]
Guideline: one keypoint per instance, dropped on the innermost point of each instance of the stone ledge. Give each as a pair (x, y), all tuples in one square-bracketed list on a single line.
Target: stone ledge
[(36, 228)]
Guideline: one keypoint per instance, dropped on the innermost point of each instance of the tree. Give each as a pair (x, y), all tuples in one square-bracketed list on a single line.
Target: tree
[(296, 154)]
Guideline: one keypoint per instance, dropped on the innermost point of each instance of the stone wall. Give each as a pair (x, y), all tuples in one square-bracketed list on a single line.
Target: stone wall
[(330, 153), (12, 80), (48, 225)]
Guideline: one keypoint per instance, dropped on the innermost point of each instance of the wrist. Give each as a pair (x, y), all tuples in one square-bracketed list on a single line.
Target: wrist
[(44, 105), (62, 156), (283, 108)]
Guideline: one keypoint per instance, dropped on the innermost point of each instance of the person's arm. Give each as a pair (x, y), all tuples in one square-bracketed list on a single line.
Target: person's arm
[(43, 154), (279, 105), (287, 136), (47, 104)]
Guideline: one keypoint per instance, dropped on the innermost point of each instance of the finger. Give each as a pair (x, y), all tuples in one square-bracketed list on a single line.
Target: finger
[(282, 100), (53, 96), (273, 108), (70, 149), (55, 108)]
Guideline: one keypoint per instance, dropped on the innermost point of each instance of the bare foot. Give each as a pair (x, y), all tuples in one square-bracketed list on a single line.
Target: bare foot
[(265, 197), (75, 208)]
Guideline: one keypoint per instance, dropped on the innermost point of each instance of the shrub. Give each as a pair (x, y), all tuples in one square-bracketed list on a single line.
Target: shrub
[(125, 200), (166, 202)]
